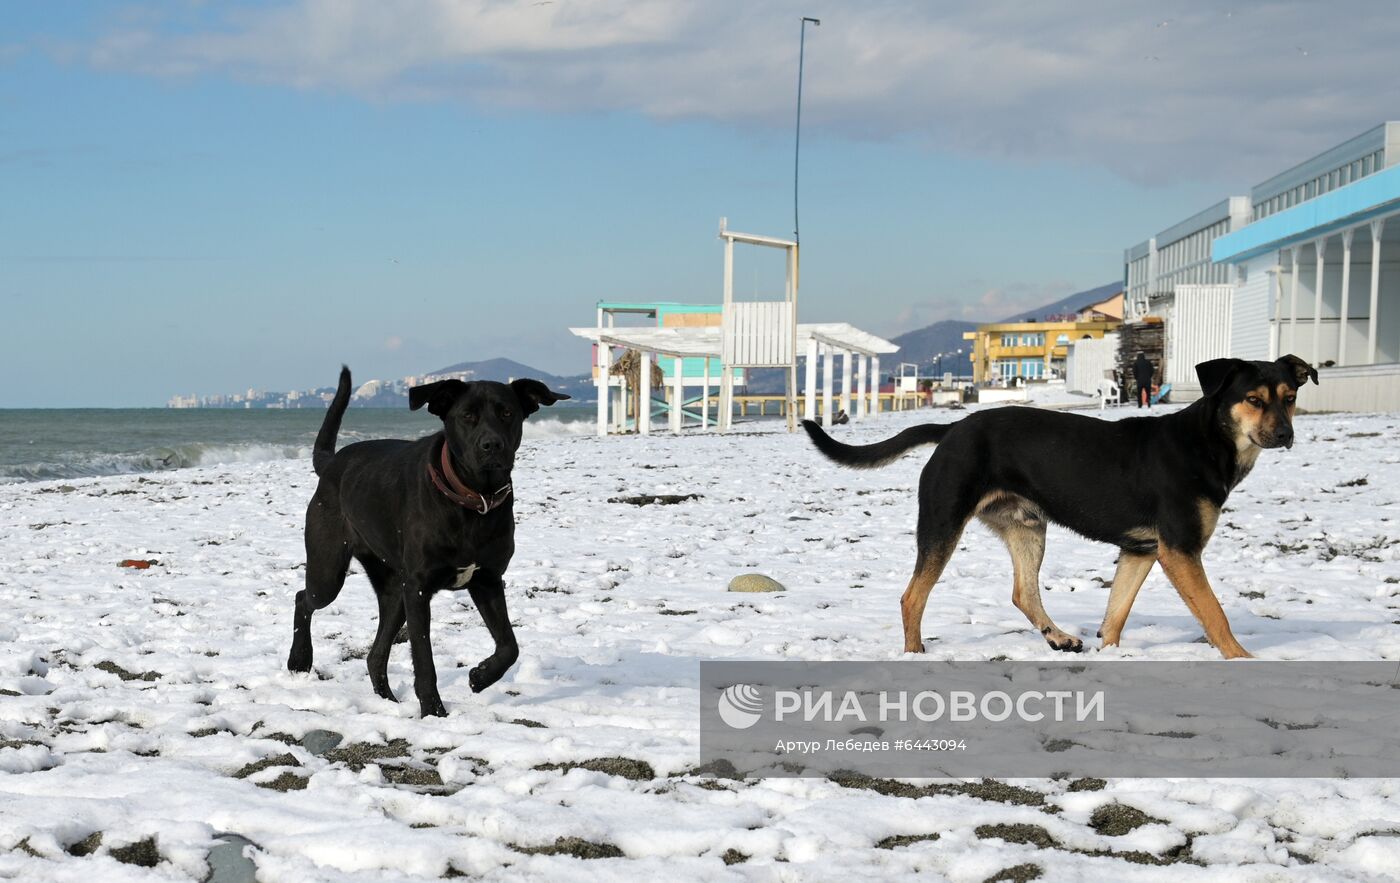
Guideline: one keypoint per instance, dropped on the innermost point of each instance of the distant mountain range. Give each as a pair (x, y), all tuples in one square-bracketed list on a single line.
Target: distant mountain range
[(506, 370), (394, 394)]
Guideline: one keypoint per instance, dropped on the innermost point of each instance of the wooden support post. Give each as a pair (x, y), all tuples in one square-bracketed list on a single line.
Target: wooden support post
[(875, 367), (810, 398), (1377, 230), (846, 381), (828, 369), (1345, 308), (604, 387), (705, 399), (1292, 307), (644, 400), (1316, 352), (677, 395), (858, 405)]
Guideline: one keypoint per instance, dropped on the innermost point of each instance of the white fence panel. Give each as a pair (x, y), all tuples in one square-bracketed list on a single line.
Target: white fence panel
[(1251, 309), (758, 334), (1198, 331), (1091, 358)]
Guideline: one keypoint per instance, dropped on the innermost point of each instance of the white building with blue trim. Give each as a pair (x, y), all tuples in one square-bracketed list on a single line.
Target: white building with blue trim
[(1312, 268)]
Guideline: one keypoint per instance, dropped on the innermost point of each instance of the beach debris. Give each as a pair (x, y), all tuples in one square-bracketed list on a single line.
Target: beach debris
[(142, 853), (626, 767), (658, 499), (114, 669), (138, 563), (266, 763), (755, 582), (360, 754), (573, 846), (85, 847), (285, 782)]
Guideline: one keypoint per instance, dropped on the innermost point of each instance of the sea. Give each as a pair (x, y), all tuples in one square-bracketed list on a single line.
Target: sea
[(47, 444)]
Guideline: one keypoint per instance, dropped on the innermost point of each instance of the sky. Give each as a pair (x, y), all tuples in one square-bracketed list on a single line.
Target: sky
[(206, 197)]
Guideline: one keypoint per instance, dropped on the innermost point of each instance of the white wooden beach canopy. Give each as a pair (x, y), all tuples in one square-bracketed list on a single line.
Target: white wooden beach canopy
[(751, 334), (817, 340), (846, 337)]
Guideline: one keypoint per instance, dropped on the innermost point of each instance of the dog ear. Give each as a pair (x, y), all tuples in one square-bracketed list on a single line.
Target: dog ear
[(532, 394), (1302, 371), (438, 396), (1216, 373)]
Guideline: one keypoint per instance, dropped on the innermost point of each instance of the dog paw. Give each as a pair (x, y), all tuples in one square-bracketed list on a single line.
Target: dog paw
[(1058, 640), (385, 693), (433, 708), (481, 677), (299, 662)]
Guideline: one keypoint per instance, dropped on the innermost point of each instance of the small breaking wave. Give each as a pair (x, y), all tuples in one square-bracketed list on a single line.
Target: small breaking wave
[(536, 428), (94, 465)]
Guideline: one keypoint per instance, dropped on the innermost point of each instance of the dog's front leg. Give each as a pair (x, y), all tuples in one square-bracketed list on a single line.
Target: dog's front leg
[(489, 595), (415, 605), (1189, 576)]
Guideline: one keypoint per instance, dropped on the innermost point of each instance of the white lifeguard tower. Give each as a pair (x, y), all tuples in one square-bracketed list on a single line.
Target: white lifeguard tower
[(688, 343), (757, 334)]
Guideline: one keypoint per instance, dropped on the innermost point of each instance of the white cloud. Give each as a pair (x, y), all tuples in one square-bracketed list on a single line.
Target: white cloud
[(1219, 89)]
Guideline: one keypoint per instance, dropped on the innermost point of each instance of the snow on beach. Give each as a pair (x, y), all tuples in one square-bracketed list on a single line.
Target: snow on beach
[(153, 705)]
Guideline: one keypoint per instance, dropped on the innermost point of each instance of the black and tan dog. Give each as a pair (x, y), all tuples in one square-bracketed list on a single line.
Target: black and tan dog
[(1152, 486), (407, 511)]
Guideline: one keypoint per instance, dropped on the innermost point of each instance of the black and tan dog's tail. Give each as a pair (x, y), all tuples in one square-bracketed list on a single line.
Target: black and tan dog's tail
[(325, 439), (880, 453)]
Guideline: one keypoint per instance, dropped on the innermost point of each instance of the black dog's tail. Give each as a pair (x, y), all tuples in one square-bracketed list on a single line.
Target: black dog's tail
[(325, 439), (880, 453)]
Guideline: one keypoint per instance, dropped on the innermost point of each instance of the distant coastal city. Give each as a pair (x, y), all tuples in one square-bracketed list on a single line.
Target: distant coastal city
[(384, 393), (371, 394)]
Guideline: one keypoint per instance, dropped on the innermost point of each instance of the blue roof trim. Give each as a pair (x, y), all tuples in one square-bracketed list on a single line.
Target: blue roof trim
[(1370, 197)]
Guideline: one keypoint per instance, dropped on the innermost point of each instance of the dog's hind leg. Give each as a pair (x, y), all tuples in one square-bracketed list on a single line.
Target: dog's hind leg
[(391, 619), (944, 509), (1024, 535), (927, 570), (327, 560), (1127, 579)]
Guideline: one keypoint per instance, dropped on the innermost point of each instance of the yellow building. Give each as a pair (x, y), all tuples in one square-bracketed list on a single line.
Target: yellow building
[(1033, 350)]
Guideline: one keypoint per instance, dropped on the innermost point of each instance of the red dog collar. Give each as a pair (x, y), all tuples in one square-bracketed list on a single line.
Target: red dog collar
[(452, 487)]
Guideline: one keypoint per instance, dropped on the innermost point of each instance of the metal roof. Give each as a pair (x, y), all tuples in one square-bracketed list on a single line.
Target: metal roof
[(1382, 137), (1370, 197)]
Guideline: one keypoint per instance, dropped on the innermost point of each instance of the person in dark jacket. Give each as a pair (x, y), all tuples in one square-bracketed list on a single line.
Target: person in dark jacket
[(1142, 373)]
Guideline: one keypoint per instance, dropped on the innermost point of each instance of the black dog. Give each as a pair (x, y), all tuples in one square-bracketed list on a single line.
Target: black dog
[(407, 512), (1152, 486)]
